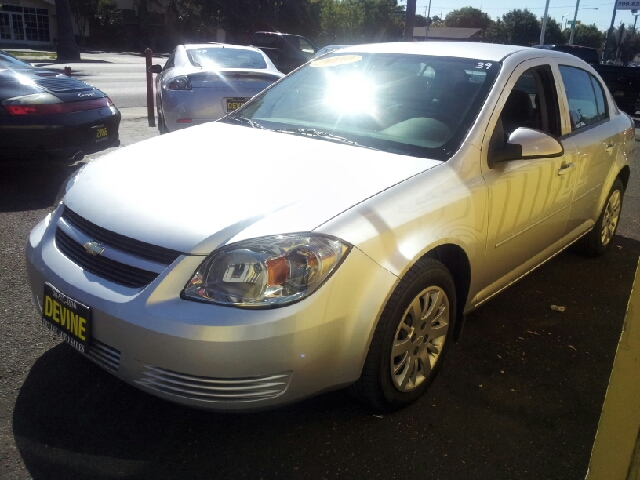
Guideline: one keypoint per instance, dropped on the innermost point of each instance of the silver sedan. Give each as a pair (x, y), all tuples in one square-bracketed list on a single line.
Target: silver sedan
[(201, 83), (361, 206)]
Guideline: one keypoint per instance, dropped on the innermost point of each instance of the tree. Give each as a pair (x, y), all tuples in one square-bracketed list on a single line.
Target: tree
[(517, 27), (467, 17), (66, 49), (553, 34), (588, 36), (83, 11)]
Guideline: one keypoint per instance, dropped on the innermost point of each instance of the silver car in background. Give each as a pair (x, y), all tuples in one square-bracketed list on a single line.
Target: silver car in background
[(201, 83)]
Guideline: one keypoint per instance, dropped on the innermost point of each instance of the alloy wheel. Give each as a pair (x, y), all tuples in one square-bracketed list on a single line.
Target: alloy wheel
[(419, 339), (610, 217)]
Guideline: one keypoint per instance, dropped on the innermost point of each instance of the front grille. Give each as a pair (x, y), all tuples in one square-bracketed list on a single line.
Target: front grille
[(104, 355), (205, 389), (101, 266), (62, 84), (134, 247)]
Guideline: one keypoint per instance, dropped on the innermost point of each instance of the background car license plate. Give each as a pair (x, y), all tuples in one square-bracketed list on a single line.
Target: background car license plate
[(101, 133), (235, 103), (67, 318)]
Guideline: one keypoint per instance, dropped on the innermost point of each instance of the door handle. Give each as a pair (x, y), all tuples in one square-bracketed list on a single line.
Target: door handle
[(564, 167), (609, 148)]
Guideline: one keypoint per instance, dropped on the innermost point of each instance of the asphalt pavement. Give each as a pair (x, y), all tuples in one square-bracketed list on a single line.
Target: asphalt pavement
[(519, 396)]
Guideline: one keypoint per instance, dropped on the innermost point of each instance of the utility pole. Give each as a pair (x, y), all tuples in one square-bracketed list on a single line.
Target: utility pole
[(409, 20), (605, 56), (428, 13), (544, 23), (573, 25)]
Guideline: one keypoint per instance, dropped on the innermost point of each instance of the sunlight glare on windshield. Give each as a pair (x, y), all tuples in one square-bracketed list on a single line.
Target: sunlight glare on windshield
[(350, 94)]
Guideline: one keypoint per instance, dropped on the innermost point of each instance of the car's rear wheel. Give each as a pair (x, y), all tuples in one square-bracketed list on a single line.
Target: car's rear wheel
[(598, 240), (411, 338)]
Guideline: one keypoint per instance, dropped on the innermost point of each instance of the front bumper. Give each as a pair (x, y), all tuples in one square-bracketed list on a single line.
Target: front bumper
[(217, 357), (59, 136)]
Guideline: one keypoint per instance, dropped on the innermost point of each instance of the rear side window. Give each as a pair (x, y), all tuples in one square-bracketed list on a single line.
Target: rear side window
[(585, 96)]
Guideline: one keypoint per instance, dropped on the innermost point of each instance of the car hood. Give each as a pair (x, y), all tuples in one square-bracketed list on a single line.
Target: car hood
[(196, 189)]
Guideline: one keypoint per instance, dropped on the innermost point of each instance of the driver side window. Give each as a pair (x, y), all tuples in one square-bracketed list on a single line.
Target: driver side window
[(170, 63), (533, 103)]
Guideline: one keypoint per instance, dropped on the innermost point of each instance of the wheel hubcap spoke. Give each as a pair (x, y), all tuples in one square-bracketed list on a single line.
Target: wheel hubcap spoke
[(419, 338), (610, 217)]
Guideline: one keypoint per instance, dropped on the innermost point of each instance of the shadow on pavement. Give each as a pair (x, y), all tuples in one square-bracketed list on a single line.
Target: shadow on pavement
[(518, 397), (32, 185)]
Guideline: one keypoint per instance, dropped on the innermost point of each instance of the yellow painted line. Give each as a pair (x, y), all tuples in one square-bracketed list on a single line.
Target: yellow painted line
[(616, 451)]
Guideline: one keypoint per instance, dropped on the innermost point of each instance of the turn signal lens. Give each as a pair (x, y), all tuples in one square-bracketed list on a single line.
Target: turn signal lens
[(268, 271)]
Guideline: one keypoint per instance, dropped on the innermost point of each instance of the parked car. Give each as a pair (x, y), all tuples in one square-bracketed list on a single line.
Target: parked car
[(285, 50), (335, 229), (623, 82), (329, 49), (203, 82), (47, 115)]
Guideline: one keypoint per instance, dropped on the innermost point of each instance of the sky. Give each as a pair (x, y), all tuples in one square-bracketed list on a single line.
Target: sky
[(598, 12)]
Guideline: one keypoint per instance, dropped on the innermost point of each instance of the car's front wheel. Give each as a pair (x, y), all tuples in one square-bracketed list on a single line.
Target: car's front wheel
[(597, 241), (411, 338)]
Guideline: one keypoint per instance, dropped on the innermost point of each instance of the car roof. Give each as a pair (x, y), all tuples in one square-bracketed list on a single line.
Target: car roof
[(485, 51)]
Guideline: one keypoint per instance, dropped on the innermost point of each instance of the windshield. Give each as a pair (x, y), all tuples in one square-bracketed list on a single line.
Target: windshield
[(217, 58), (409, 104)]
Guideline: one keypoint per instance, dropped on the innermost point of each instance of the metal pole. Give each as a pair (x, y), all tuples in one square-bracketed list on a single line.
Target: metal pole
[(544, 22), (573, 26), (605, 57), (426, 30), (150, 115)]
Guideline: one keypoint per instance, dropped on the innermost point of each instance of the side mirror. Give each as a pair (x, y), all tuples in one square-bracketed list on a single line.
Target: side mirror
[(155, 68), (525, 143)]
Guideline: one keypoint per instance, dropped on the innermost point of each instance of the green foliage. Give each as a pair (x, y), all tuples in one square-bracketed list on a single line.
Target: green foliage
[(517, 27), (468, 17), (360, 21), (588, 36)]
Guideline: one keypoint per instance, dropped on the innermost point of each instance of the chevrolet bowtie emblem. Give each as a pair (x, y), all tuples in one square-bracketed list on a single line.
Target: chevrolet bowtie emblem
[(93, 248)]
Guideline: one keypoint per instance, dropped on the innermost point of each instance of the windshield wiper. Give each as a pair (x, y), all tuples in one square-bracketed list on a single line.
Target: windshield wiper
[(248, 121), (312, 132)]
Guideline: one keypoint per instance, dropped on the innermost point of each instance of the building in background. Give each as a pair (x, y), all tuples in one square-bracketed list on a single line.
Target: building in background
[(451, 34), (27, 23)]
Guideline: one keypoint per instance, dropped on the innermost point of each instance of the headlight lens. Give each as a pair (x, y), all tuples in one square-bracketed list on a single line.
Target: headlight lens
[(268, 271), (179, 83)]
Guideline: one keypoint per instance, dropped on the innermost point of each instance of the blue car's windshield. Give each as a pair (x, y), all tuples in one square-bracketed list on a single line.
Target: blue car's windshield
[(410, 104)]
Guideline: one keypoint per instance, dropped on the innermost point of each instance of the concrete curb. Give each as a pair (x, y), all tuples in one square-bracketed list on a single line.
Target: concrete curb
[(616, 451)]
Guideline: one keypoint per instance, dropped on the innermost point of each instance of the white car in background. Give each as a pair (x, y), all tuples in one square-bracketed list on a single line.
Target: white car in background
[(335, 229), (203, 82)]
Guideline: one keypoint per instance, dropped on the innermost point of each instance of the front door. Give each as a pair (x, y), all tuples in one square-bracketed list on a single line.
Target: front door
[(528, 200)]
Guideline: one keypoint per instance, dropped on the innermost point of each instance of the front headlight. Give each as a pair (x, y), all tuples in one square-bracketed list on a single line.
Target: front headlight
[(268, 271)]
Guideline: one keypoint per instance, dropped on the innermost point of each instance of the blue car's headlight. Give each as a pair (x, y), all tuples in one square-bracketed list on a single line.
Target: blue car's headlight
[(268, 271)]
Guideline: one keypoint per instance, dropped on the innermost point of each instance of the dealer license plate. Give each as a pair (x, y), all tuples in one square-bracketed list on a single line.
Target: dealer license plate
[(235, 103), (67, 318), (101, 133)]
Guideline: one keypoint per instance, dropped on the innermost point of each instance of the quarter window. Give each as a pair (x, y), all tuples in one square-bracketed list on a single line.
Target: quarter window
[(585, 96)]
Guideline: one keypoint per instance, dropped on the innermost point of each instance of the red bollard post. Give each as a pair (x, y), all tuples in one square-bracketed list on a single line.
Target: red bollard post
[(67, 71), (151, 116)]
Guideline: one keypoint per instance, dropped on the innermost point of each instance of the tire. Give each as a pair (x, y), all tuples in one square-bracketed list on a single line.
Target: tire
[(387, 382), (598, 240)]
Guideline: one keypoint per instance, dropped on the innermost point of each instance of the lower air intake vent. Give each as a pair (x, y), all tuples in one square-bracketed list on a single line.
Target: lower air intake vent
[(204, 389), (104, 355)]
